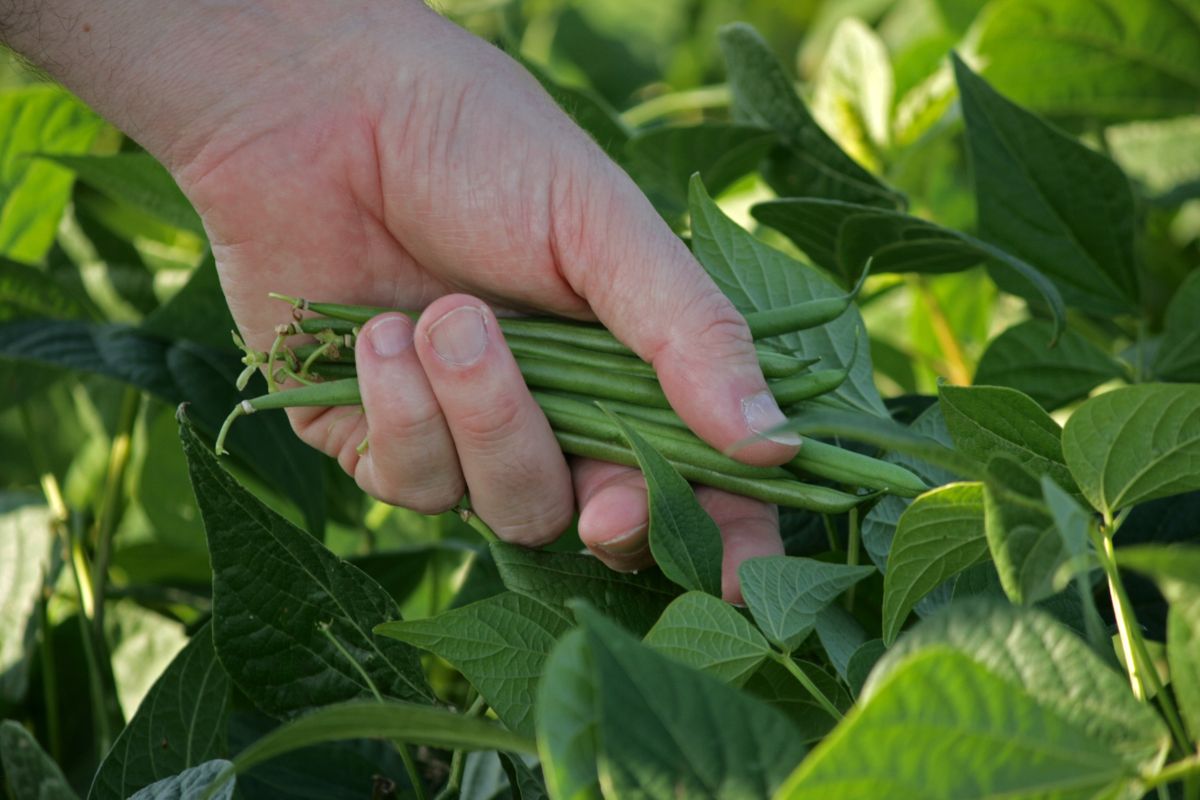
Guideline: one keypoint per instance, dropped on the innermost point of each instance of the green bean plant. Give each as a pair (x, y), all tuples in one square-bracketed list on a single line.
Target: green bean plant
[(967, 244)]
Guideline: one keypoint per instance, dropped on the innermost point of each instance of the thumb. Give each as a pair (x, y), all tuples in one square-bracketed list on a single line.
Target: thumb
[(640, 281)]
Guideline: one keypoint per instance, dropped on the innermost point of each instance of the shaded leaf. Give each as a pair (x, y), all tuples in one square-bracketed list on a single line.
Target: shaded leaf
[(191, 784), (840, 635), (26, 542), (526, 783), (786, 594), (706, 633), (862, 662), (197, 312), (1178, 355), (1021, 533), (568, 715), (28, 771), (26, 292), (779, 687)]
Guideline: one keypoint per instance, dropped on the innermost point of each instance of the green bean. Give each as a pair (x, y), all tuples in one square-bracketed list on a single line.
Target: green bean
[(801, 316), (834, 463), (789, 391), (330, 393), (570, 378), (523, 347)]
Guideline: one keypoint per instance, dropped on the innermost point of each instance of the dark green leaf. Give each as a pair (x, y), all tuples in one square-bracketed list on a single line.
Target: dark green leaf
[(568, 714), (986, 420), (1178, 357), (634, 600), (197, 312), (26, 542), (274, 587), (28, 771), (190, 784), (1052, 376), (137, 179), (786, 594), (524, 782), (179, 724), (937, 537), (686, 543), (779, 687), (499, 644), (1021, 533), (840, 635), (1135, 444), (862, 662), (1050, 201), (765, 96), (706, 633), (27, 292)]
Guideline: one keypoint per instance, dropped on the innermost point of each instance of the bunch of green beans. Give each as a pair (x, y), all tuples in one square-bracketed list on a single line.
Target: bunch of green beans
[(569, 367)]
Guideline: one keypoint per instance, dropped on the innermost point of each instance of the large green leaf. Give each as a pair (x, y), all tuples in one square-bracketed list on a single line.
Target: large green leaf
[(706, 633), (1052, 376), (666, 731), (197, 312), (765, 96), (686, 543), (28, 771), (38, 119), (1177, 572), (26, 541), (137, 179), (500, 644), (937, 537), (1050, 201), (291, 621), (941, 726), (1028, 648), (1135, 444), (27, 292), (756, 277), (634, 600), (190, 784), (1021, 533), (180, 724), (1094, 59), (786, 594), (1178, 356), (568, 714), (852, 95), (986, 420)]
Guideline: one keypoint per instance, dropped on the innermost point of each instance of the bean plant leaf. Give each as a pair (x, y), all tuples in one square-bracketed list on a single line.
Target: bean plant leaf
[(756, 276), (180, 724), (840, 635), (775, 684), (852, 94), (932, 728), (1083, 60), (765, 96), (1177, 572), (986, 420), (27, 292), (862, 662), (938, 536), (785, 594), (28, 771), (500, 644), (1021, 533), (524, 782), (1053, 376), (568, 714), (139, 180), (190, 784), (1050, 201), (26, 542), (1178, 356), (197, 312), (706, 633), (694, 736), (1029, 648), (633, 600), (684, 540), (292, 622), (1135, 444)]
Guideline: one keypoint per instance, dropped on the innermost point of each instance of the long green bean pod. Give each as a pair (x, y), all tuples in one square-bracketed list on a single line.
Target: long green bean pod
[(330, 393)]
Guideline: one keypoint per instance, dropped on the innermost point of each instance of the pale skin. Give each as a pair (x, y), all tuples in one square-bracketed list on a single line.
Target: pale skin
[(375, 153)]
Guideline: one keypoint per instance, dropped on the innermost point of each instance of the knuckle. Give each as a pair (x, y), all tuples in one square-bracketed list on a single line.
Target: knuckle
[(538, 527), (493, 426)]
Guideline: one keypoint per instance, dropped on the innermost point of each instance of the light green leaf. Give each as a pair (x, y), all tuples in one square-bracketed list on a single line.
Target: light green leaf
[(500, 644), (26, 542), (786, 594), (1094, 59), (139, 180), (143, 645), (1021, 533), (180, 724), (986, 420), (1052, 376), (706, 633), (190, 784), (667, 731), (1135, 444), (1161, 156), (1178, 357), (852, 94), (684, 540), (634, 600), (274, 587), (662, 160), (1177, 572), (756, 277), (764, 95), (1050, 201), (941, 726), (937, 537), (568, 714), (28, 771), (1028, 648), (39, 119)]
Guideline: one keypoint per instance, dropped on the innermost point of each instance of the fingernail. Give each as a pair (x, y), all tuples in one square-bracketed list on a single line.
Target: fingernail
[(390, 337), (460, 337), (762, 413), (626, 544)]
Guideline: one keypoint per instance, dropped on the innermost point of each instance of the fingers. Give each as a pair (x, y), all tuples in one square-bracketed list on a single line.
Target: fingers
[(509, 457), (614, 521)]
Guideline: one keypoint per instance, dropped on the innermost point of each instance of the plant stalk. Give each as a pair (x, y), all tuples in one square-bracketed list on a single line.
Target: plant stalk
[(805, 681), (112, 501)]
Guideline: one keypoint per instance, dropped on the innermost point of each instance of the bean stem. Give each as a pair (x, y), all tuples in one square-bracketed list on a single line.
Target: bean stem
[(807, 682)]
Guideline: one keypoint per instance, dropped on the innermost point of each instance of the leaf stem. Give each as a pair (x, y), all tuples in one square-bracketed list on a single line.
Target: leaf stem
[(853, 544), (665, 105), (468, 515), (805, 681), (458, 760), (1188, 768), (111, 502), (956, 362)]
